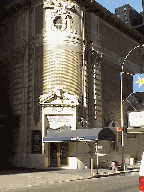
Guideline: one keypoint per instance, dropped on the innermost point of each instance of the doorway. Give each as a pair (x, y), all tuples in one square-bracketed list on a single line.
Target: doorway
[(59, 153)]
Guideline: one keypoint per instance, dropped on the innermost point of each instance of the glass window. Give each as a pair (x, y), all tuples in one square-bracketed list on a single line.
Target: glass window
[(58, 22)]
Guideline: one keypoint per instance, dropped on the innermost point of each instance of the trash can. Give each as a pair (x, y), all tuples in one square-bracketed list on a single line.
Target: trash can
[(131, 161)]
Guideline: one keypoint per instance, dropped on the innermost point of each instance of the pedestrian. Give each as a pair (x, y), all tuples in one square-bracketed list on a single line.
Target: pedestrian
[(114, 166)]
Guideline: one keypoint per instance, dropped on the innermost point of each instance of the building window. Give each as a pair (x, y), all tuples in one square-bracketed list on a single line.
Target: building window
[(125, 18), (58, 22), (125, 8), (118, 10)]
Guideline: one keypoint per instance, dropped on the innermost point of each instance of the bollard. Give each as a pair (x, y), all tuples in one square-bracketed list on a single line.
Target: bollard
[(91, 166)]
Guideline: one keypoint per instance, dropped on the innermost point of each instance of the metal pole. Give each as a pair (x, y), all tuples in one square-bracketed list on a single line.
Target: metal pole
[(97, 156), (115, 151), (122, 106), (123, 167)]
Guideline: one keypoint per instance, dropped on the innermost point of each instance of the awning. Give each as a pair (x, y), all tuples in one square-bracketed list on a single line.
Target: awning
[(72, 135), (107, 134)]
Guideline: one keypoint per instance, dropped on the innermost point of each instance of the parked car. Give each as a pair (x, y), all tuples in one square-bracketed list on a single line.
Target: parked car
[(141, 175)]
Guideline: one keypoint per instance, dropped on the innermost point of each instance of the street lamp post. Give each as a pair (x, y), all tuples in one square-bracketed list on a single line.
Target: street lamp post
[(122, 119)]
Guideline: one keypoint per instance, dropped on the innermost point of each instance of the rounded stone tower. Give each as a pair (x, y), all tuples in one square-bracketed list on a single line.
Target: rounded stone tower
[(62, 47)]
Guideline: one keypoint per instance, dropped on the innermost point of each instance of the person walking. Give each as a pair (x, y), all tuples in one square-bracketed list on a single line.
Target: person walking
[(114, 166)]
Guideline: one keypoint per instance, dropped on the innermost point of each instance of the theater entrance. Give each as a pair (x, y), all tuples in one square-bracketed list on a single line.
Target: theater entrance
[(58, 154)]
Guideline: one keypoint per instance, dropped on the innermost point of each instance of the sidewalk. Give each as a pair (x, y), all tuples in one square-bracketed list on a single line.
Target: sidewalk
[(10, 179)]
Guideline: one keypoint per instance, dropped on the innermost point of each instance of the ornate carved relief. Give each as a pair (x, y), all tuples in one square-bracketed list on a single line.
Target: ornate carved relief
[(63, 19), (58, 96)]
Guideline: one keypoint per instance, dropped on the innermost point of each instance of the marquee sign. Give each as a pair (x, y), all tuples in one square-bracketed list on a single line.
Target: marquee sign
[(77, 138)]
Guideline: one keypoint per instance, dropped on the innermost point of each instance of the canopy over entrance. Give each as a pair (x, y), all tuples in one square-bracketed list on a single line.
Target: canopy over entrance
[(107, 134), (79, 135)]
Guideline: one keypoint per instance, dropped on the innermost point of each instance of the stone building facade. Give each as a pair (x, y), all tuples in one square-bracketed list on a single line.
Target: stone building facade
[(65, 60)]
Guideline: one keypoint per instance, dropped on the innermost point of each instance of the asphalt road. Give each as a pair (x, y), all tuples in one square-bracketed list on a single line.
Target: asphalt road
[(121, 183)]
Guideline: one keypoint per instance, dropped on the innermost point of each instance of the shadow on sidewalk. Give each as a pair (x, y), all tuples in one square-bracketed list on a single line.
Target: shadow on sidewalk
[(18, 170)]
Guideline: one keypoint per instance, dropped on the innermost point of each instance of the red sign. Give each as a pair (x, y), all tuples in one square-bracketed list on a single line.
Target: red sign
[(119, 128)]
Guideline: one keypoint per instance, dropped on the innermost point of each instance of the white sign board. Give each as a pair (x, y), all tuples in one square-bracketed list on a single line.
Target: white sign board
[(136, 119), (56, 121)]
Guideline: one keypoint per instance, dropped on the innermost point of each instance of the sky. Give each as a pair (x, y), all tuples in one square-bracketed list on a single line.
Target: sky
[(112, 4)]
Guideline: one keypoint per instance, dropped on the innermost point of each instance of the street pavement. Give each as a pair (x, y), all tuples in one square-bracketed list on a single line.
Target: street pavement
[(14, 179), (120, 183)]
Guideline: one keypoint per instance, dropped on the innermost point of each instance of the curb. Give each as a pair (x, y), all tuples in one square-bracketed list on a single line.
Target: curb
[(104, 175)]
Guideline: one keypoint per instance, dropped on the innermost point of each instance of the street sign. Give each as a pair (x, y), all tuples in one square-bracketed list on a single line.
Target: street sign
[(119, 129)]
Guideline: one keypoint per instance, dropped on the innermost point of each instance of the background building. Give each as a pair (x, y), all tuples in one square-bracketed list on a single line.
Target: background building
[(64, 60), (129, 15)]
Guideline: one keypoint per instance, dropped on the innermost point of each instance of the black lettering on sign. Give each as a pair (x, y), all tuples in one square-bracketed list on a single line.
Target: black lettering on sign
[(36, 141)]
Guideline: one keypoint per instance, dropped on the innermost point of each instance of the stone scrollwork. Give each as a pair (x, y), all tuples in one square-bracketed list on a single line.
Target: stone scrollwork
[(58, 96), (96, 56), (61, 15), (64, 6)]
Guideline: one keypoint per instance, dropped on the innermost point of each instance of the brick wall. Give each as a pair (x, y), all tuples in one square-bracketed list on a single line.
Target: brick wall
[(118, 42), (114, 45), (110, 92)]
